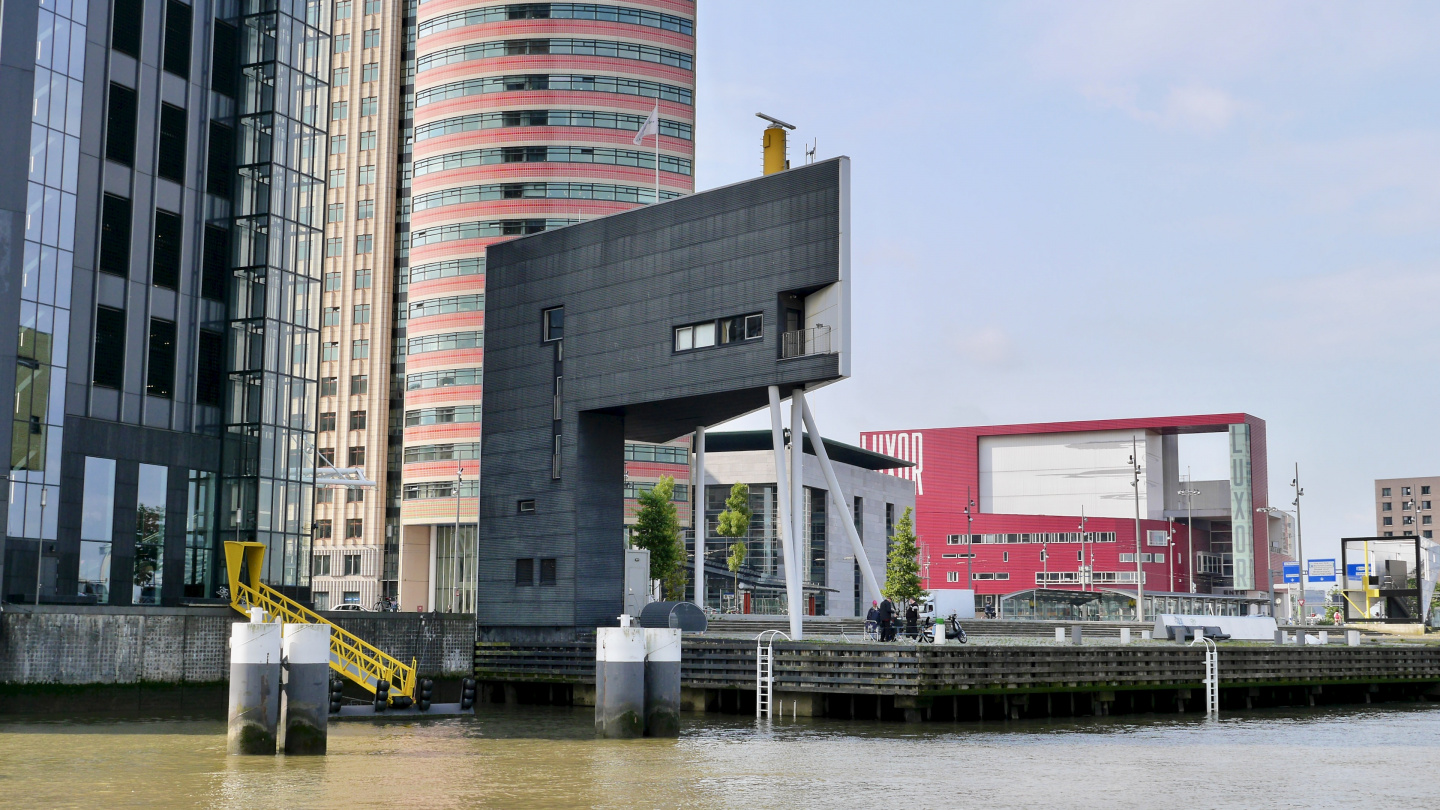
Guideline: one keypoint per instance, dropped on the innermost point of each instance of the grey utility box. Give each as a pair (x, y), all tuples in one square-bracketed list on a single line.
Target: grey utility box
[(637, 581)]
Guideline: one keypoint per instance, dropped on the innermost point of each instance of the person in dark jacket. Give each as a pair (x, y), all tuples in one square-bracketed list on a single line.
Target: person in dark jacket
[(887, 621), (872, 619), (912, 621)]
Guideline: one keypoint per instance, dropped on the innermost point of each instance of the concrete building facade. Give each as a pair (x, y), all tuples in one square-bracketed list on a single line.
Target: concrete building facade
[(641, 326), (1406, 506), (831, 576)]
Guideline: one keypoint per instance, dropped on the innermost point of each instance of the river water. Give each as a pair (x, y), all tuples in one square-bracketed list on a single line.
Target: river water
[(1378, 757)]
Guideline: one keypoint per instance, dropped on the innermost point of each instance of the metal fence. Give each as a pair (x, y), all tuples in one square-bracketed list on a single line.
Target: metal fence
[(802, 342)]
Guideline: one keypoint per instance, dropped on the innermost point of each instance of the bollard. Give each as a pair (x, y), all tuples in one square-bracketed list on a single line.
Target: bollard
[(1324, 636), (1352, 638), (1124, 635), (1145, 635), (254, 688), (1076, 635), (662, 682), (1059, 634), (305, 699), (939, 631), (620, 681), (1279, 638)]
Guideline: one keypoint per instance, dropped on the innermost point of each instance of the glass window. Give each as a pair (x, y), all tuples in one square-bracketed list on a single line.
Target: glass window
[(149, 535), (370, 105), (1386, 506), (177, 38), (125, 26), (337, 178), (370, 72), (366, 176), (359, 384), (201, 505), (342, 43), (332, 281), (335, 212), (372, 38), (329, 350), (364, 243), (337, 144), (327, 421), (367, 140), (553, 320), (1425, 490), (357, 420), (115, 235), (352, 565), (704, 335), (170, 163), (365, 209), (160, 370), (362, 278), (354, 495), (120, 125), (524, 572), (109, 369), (354, 527), (352, 597), (359, 349), (334, 246), (342, 9), (339, 77), (361, 314), (357, 456), (1404, 490), (1385, 492), (321, 598), (339, 110), (330, 316), (329, 386)]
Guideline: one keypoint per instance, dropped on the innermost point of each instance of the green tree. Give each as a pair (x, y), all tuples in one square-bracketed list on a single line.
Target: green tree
[(657, 529), (902, 569), (734, 523)]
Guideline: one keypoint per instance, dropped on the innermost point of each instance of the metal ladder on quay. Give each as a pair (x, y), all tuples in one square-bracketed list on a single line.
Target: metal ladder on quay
[(765, 672), (351, 656)]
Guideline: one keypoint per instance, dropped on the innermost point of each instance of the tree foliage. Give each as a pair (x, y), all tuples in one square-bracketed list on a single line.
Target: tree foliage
[(657, 529), (734, 523), (902, 569)]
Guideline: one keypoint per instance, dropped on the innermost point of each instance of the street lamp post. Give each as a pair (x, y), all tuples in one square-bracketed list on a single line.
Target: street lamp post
[(40, 544), (1085, 566), (455, 540), (1139, 554), (969, 540), (1170, 550), (1299, 547), (1190, 492)]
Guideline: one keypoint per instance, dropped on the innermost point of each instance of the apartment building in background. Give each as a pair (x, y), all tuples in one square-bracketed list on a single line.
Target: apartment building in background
[(524, 119), (363, 160), (1405, 506)]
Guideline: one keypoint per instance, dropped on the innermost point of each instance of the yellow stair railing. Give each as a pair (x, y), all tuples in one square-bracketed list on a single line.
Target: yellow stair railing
[(350, 655)]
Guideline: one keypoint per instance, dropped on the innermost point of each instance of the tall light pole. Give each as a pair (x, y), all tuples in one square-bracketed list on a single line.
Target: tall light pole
[(1084, 565), (1299, 547), (40, 545), (1170, 548), (455, 541), (1139, 555), (1190, 492), (969, 541)]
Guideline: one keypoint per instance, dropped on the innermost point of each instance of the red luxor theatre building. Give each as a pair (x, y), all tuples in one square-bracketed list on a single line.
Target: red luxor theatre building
[(1031, 484)]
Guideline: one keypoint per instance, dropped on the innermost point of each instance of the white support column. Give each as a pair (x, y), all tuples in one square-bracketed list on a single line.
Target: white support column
[(795, 579), (697, 521), (782, 502), (838, 498)]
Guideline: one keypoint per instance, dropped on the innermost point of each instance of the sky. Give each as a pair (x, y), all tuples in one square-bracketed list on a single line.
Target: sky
[(1090, 210)]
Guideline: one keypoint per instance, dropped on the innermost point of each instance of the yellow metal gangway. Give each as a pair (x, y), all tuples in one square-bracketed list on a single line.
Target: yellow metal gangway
[(350, 655)]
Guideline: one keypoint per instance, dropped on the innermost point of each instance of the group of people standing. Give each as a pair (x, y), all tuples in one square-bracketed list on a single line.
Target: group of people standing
[(886, 616)]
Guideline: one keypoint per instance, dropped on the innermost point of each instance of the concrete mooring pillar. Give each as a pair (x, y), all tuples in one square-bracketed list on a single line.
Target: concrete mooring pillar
[(620, 681), (254, 688), (305, 702), (662, 682)]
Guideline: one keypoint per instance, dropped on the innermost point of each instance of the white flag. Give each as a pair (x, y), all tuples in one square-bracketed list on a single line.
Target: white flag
[(650, 127)]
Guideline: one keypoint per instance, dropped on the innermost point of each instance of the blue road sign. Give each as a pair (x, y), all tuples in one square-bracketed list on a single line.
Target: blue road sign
[(1321, 570), (1355, 570), (1292, 572)]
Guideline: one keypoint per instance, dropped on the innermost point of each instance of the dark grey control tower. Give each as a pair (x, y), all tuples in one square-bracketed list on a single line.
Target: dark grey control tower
[(643, 325)]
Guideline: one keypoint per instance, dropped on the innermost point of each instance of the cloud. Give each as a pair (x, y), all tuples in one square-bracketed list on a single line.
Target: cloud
[(990, 346), (1194, 107)]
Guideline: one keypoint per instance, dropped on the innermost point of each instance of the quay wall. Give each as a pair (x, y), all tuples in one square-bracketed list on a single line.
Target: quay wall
[(189, 645), (924, 670)]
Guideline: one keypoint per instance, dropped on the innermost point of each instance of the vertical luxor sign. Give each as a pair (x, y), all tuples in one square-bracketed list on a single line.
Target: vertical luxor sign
[(1242, 515)]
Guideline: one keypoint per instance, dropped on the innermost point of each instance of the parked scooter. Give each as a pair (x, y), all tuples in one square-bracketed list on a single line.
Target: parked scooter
[(953, 630)]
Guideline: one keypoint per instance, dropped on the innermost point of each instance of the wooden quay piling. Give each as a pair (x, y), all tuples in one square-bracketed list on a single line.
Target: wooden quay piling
[(967, 682)]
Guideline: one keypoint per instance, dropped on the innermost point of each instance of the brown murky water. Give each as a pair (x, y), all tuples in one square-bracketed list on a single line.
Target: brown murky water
[(1380, 757)]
